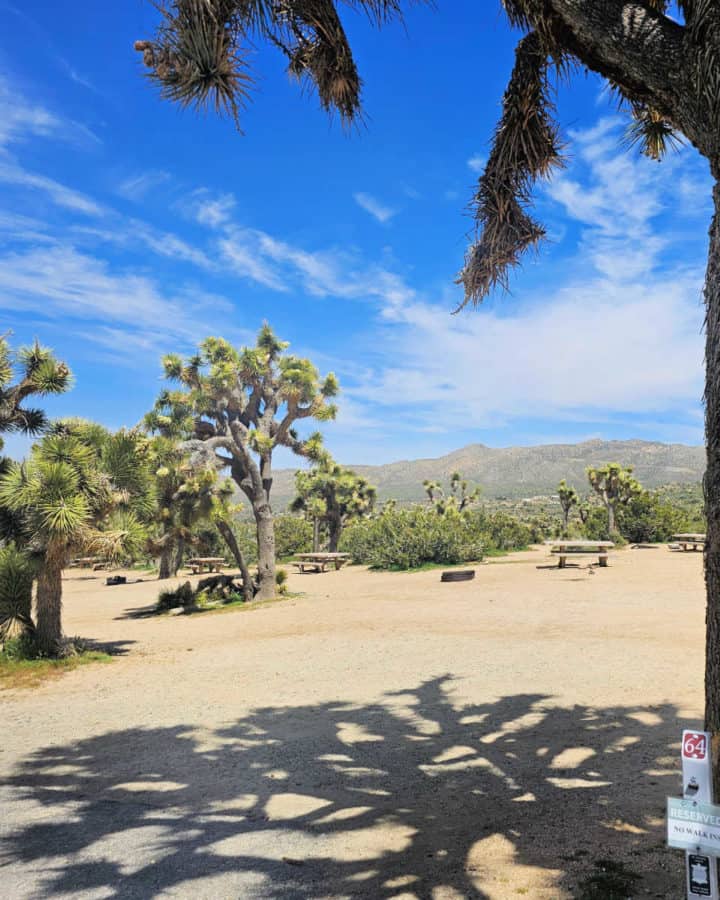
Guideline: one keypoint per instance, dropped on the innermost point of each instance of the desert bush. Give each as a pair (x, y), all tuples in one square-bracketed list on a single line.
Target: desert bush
[(648, 519), (180, 596), (502, 531), (16, 582), (596, 525), (19, 648), (293, 534), (410, 538), (215, 590), (281, 577)]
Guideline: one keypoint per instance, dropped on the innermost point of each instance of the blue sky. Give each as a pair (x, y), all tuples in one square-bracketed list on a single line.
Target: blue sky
[(129, 229)]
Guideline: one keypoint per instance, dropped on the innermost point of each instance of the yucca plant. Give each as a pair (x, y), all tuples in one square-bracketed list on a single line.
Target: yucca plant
[(17, 574), (332, 495), (63, 499), (200, 54), (234, 407)]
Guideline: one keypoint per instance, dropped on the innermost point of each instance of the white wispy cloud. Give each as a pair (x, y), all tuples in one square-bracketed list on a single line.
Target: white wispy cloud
[(617, 336), (137, 235), (60, 194), (213, 211), (75, 76), (22, 119), (63, 283), (476, 163), (375, 207), (136, 187)]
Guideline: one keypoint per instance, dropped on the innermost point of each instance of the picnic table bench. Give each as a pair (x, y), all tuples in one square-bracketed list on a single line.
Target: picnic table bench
[(89, 562), (318, 562), (690, 541), (208, 563), (564, 548)]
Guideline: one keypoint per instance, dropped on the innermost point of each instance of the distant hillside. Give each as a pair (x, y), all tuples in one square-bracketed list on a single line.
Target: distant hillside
[(523, 471)]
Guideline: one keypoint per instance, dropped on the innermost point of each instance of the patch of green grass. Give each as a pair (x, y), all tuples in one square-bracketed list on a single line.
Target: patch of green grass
[(234, 606), (17, 672), (611, 880)]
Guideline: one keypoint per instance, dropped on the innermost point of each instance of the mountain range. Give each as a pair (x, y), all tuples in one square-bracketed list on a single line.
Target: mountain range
[(516, 472)]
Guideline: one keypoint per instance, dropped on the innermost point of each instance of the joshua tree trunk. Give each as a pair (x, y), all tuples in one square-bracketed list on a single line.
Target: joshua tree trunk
[(48, 604), (165, 561), (266, 550), (228, 536), (179, 555), (712, 485), (566, 517), (611, 519), (335, 530), (316, 534)]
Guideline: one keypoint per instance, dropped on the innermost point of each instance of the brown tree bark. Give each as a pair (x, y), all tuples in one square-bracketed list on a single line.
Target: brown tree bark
[(334, 532), (179, 556), (712, 485), (316, 534), (612, 528), (165, 562), (266, 551), (566, 517), (228, 536), (48, 603)]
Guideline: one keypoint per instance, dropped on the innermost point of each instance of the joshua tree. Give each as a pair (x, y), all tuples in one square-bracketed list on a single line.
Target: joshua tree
[(457, 498), (63, 500), (235, 407), (338, 493), (584, 511), (184, 497), (28, 372), (200, 55), (433, 489), (459, 492), (662, 59), (615, 486), (568, 498), (37, 373), (186, 494), (315, 510)]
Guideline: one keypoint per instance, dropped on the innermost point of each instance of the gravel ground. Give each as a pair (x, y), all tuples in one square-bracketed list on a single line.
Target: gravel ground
[(380, 735)]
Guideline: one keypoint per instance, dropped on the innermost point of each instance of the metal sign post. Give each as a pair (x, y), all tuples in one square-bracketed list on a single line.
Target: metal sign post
[(701, 868)]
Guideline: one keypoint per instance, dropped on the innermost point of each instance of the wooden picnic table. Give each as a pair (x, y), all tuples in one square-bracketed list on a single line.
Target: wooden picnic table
[(318, 562), (89, 562), (564, 548), (210, 563), (690, 540)]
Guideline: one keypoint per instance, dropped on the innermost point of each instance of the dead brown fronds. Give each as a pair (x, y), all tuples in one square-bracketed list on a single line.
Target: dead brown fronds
[(526, 147), (196, 56)]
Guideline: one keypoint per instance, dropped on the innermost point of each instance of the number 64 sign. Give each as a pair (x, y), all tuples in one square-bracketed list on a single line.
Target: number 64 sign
[(695, 745)]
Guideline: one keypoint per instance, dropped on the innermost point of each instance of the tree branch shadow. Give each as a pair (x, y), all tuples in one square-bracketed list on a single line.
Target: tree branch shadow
[(408, 796)]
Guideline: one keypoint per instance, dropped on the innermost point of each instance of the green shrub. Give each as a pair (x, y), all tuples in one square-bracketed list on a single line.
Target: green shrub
[(596, 526), (502, 531), (293, 534), (647, 519), (20, 648), (16, 582), (410, 538), (181, 596), (281, 577)]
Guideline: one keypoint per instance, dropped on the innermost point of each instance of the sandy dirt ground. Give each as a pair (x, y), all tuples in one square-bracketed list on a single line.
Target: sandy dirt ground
[(380, 735)]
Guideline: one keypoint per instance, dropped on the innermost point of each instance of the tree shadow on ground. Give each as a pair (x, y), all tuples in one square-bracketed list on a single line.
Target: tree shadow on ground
[(410, 796), (112, 648)]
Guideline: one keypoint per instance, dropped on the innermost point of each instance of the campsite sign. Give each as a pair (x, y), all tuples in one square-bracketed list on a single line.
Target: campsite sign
[(694, 823)]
